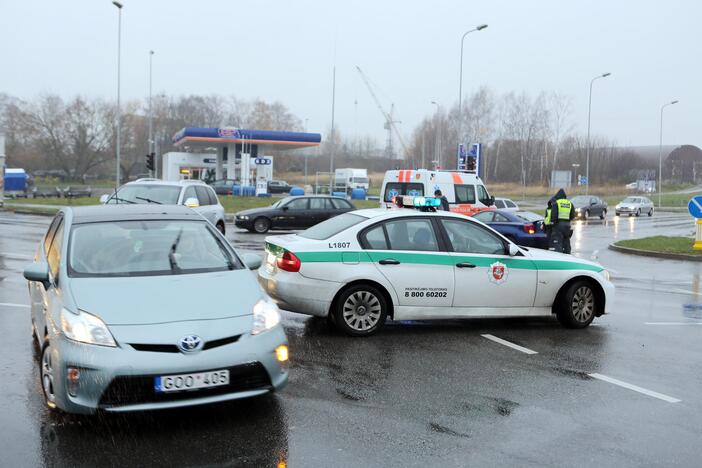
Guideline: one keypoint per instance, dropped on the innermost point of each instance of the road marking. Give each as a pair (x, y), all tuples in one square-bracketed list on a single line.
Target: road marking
[(635, 388), (509, 345), (8, 304), (672, 323)]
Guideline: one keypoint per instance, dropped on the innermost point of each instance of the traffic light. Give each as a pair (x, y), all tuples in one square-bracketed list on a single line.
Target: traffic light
[(470, 163), (150, 161)]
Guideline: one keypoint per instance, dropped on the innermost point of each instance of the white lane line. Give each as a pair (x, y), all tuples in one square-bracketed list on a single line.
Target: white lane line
[(509, 345), (635, 388), (9, 304), (672, 323)]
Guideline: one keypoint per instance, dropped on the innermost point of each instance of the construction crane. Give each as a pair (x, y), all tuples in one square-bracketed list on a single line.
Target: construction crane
[(389, 119)]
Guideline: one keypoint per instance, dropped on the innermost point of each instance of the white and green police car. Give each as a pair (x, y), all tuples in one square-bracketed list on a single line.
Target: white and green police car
[(361, 267)]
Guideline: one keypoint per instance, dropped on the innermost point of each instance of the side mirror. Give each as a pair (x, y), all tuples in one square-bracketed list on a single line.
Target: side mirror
[(192, 202), (104, 198), (513, 250), (252, 261), (492, 201), (38, 271)]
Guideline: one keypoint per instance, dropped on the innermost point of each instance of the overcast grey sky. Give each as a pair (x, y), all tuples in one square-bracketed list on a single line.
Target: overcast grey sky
[(285, 50)]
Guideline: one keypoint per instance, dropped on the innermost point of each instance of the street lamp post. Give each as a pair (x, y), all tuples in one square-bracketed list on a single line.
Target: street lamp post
[(151, 114), (660, 153), (460, 82), (587, 149), (119, 116), (437, 147)]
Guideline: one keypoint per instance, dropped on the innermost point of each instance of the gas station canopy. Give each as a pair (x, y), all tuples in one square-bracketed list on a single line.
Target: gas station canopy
[(264, 139)]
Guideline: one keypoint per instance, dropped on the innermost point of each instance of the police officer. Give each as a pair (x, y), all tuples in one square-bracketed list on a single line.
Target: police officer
[(548, 223), (562, 213), (444, 201)]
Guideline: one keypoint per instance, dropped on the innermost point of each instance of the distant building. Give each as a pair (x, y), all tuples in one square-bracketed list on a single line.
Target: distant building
[(681, 163)]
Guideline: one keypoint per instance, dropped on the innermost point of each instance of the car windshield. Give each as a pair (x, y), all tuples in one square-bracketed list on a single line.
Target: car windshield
[(146, 193), (630, 200), (528, 216), (281, 202), (146, 248), (581, 200), (333, 226)]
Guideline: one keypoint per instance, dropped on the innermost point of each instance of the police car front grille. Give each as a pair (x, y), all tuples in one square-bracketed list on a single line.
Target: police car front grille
[(137, 389)]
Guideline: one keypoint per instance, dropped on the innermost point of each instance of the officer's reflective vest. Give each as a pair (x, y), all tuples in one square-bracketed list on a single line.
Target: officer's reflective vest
[(564, 207), (547, 219)]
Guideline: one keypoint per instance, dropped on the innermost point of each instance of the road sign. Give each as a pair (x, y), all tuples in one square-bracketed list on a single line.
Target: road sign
[(582, 180), (695, 207)]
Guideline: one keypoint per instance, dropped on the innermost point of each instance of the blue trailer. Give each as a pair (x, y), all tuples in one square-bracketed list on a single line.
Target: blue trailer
[(15, 183)]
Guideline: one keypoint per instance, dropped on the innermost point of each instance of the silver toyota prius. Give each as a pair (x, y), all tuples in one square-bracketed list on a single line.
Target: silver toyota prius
[(141, 307)]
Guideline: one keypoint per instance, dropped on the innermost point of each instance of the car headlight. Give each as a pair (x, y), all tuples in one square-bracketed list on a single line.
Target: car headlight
[(244, 217), (86, 328), (265, 316), (606, 275)]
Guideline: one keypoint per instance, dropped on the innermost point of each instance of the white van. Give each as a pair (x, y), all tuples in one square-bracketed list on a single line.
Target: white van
[(351, 178), (464, 190)]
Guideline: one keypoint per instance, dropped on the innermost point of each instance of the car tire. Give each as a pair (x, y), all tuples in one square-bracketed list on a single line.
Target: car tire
[(616, 213), (360, 310), (586, 214), (220, 227), (638, 212), (650, 212), (603, 214), (46, 376), (261, 225), (575, 307)]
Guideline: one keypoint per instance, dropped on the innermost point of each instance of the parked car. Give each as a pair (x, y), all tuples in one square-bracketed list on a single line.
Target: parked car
[(634, 206), (77, 192), (506, 204), (191, 193), (588, 205), (149, 322), (521, 227), (292, 213), (278, 186), (223, 186)]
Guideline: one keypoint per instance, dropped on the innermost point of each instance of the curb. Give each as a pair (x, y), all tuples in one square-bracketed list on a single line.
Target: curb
[(650, 253)]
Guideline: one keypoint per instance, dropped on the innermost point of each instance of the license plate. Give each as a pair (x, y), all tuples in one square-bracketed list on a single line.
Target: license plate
[(195, 381)]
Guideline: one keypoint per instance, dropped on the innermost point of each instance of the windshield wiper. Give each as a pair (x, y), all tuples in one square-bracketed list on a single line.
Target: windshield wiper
[(171, 254), (118, 199), (148, 200)]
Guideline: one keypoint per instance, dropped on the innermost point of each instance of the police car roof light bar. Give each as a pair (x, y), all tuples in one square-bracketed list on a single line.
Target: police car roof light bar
[(420, 203)]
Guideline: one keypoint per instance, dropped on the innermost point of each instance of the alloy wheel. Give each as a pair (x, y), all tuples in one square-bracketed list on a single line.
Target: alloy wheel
[(583, 304), (361, 311), (47, 377)]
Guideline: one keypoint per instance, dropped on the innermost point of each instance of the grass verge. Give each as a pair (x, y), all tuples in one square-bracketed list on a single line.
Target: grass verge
[(662, 244)]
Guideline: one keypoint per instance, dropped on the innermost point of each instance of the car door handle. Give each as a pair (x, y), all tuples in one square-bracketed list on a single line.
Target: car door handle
[(465, 265), (389, 261)]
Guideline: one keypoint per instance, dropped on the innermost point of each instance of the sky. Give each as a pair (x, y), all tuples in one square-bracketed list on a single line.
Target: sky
[(286, 50)]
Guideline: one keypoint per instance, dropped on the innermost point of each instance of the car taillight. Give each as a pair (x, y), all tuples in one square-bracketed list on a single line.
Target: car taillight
[(289, 262), (529, 228)]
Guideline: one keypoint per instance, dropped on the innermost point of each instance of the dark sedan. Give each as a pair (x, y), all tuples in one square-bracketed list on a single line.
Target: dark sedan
[(223, 186), (521, 227), (278, 186), (588, 205), (292, 213)]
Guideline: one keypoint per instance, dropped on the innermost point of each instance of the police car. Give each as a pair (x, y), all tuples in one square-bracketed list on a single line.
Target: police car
[(364, 266)]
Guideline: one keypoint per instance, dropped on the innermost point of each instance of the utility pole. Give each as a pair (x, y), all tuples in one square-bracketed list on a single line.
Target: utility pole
[(333, 142), (151, 144), (587, 149), (119, 116), (660, 154)]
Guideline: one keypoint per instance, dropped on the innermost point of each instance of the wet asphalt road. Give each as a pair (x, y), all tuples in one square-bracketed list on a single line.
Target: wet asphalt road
[(416, 394)]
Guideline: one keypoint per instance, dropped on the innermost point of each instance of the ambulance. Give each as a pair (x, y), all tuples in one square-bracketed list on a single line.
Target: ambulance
[(464, 190)]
